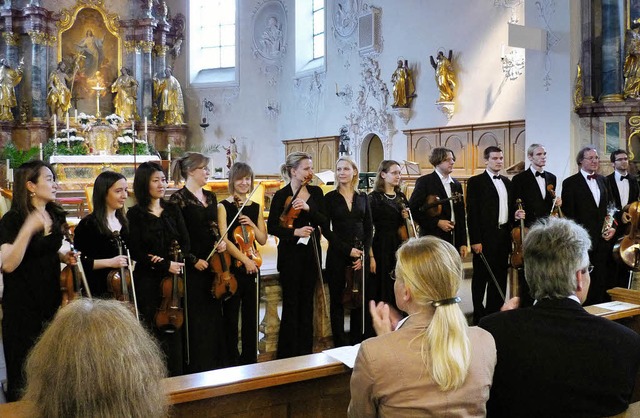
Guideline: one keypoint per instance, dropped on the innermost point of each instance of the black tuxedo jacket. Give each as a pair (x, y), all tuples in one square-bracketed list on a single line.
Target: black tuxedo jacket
[(483, 207), (578, 204), (557, 360), (525, 187), (634, 189), (431, 184)]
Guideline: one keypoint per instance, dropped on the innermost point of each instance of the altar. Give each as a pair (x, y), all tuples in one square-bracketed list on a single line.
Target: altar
[(76, 171)]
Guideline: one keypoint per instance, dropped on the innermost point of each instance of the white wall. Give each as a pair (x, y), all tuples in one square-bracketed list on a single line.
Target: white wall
[(413, 30)]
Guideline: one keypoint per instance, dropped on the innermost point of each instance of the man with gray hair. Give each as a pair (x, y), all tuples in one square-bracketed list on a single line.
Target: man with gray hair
[(554, 358)]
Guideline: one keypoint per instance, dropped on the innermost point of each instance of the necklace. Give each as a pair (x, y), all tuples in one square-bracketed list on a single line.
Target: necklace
[(390, 197)]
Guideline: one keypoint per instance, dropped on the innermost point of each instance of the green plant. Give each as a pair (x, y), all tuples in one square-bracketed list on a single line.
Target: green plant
[(18, 157), (127, 149)]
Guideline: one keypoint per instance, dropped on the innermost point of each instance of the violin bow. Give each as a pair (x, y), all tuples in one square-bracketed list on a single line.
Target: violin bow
[(215, 247), (495, 281), (133, 285)]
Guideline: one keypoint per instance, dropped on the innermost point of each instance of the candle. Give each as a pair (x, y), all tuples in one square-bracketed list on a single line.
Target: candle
[(41, 155), (502, 56), (145, 125), (169, 158), (67, 121), (10, 175), (133, 127), (336, 88), (55, 126)]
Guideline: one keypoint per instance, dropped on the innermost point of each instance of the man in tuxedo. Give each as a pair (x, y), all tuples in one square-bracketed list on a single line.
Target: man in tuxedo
[(585, 199), (530, 186), (449, 225), (554, 358), (489, 232), (624, 191)]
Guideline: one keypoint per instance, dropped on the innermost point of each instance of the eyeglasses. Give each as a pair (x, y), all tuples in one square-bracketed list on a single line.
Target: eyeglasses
[(621, 159), (588, 269), (205, 168), (592, 158), (392, 274)]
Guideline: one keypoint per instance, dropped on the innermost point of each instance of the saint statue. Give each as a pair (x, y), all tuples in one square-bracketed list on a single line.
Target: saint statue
[(232, 152), (445, 76), (631, 69), (403, 88), (168, 94), (126, 95), (271, 42), (9, 78), (59, 95)]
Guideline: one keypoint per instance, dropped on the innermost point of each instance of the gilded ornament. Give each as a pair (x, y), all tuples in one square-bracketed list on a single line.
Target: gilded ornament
[(146, 46), (130, 47), (631, 69), (168, 95), (161, 50), (403, 88), (578, 90), (9, 78), (10, 38), (445, 76), (37, 37), (634, 122)]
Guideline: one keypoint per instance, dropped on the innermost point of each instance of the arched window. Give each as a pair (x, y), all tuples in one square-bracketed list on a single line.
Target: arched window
[(310, 36)]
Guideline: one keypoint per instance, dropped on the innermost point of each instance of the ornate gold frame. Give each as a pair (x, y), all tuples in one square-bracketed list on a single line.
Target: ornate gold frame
[(111, 21)]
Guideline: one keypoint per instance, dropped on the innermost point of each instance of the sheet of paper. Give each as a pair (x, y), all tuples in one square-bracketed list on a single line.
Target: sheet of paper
[(327, 177), (346, 354), (616, 306)]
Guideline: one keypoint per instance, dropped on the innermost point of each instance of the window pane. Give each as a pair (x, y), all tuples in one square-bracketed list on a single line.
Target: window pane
[(210, 37), (318, 22), (318, 46), (227, 35), (318, 4), (216, 37), (209, 58), (227, 12), (228, 56)]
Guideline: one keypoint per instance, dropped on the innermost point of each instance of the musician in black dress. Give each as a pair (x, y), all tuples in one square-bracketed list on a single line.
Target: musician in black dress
[(30, 238), (207, 345), (154, 225), (245, 301), (348, 229), (94, 235), (297, 255), (388, 211)]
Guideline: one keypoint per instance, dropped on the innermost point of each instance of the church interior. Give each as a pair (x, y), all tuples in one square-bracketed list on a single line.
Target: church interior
[(255, 80)]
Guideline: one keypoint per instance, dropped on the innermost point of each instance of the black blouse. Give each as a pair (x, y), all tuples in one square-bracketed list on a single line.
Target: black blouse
[(347, 226)]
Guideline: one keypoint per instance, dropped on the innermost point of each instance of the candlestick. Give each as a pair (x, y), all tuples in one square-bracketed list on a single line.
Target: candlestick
[(41, 155), (336, 88)]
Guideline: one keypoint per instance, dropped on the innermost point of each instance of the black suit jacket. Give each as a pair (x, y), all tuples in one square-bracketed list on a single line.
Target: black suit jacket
[(431, 184), (557, 360), (525, 187), (483, 207), (634, 189), (578, 204)]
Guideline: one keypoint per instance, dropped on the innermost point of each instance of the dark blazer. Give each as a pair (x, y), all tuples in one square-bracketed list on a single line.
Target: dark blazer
[(525, 187), (483, 207), (431, 184), (578, 204), (557, 360), (634, 189)]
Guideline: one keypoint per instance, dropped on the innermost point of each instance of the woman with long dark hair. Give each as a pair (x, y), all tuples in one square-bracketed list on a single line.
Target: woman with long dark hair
[(31, 234), (154, 225), (94, 235), (246, 298), (199, 209)]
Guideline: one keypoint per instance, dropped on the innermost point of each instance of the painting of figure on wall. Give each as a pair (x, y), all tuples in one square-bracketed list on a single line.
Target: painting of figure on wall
[(633, 12), (91, 52)]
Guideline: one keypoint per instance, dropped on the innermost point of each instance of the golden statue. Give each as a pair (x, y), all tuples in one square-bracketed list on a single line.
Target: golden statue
[(168, 94), (631, 68), (403, 88), (445, 76), (126, 89), (9, 78), (59, 95)]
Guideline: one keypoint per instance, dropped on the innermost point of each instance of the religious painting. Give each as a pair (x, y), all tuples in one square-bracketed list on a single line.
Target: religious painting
[(633, 11), (91, 47)]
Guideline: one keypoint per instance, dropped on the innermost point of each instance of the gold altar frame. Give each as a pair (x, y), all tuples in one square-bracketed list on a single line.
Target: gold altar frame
[(75, 23)]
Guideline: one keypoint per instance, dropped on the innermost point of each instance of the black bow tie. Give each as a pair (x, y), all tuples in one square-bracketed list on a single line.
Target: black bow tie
[(592, 176), (624, 177), (539, 174), (496, 177)]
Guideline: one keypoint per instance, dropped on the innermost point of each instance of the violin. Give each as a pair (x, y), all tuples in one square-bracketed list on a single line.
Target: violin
[(408, 228), (433, 203), (517, 238), (224, 284), (290, 214), (245, 238), (170, 315), (72, 278), (627, 248), (352, 292), (555, 209), (120, 281)]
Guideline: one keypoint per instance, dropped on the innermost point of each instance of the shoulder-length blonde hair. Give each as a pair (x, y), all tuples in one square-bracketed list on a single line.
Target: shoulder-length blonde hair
[(432, 270), (96, 360), (356, 173)]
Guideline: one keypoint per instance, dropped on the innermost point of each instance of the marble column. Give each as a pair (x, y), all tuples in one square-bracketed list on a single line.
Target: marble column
[(611, 58), (38, 91), (586, 58), (147, 77)]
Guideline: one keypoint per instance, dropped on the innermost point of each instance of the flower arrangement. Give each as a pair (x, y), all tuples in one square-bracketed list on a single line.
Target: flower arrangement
[(67, 142), (114, 120), (126, 143), (86, 121)]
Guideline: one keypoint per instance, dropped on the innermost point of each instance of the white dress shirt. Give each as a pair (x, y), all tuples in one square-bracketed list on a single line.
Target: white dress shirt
[(623, 188), (446, 182), (593, 185), (540, 180), (503, 214)]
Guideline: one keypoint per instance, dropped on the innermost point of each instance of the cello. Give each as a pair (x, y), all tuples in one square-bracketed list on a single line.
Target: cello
[(120, 281), (627, 248), (245, 239), (290, 214), (170, 315), (72, 277)]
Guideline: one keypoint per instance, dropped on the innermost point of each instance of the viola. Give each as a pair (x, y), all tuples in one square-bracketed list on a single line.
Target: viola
[(120, 281), (290, 214), (72, 278), (627, 248), (170, 315), (408, 228), (517, 238), (352, 292), (433, 203), (224, 284), (555, 209), (245, 238)]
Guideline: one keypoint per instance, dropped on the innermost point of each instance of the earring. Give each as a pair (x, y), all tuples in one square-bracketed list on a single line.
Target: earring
[(32, 194)]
